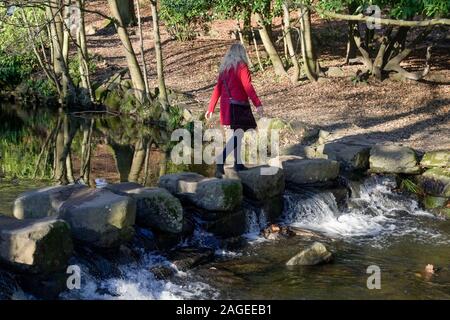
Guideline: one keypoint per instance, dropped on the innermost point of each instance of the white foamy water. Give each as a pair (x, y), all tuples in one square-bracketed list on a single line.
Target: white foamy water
[(376, 213), (256, 221), (137, 282)]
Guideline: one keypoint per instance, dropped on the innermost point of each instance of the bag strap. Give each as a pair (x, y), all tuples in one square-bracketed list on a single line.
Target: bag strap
[(228, 89)]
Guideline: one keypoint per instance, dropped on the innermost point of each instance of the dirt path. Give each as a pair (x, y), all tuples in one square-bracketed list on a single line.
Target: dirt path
[(413, 113)]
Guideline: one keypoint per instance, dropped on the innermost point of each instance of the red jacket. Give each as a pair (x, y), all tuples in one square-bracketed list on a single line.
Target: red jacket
[(240, 85)]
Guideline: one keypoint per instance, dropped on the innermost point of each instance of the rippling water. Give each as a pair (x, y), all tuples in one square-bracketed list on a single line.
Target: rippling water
[(379, 227)]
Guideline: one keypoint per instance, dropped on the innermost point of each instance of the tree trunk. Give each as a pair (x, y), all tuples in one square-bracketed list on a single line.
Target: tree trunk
[(141, 44), (270, 48), (127, 12), (133, 64), (257, 50), (163, 97), (123, 156), (86, 150), (241, 40), (56, 33), (290, 44), (352, 49), (66, 133), (309, 54), (138, 160), (83, 55)]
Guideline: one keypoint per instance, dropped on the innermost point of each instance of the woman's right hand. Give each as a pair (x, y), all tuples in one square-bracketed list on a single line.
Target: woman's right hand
[(208, 115), (260, 111)]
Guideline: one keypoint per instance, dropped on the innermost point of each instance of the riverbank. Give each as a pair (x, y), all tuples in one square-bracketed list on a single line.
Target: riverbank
[(413, 113)]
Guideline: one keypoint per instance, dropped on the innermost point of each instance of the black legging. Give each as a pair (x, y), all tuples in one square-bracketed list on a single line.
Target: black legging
[(234, 144)]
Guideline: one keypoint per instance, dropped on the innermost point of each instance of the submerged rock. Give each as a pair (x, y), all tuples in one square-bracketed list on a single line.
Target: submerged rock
[(300, 171), (43, 202), (8, 286), (155, 207), (433, 159), (436, 182), (99, 217), (393, 159), (315, 254), (36, 246), (188, 258), (227, 224)]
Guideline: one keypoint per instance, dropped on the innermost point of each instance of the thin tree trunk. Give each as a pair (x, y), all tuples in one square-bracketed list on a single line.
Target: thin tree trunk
[(133, 64), (147, 159), (127, 12), (83, 54), (69, 165), (241, 40), (138, 161), (309, 55), (352, 49), (163, 97), (86, 150), (290, 44), (270, 48), (141, 45), (257, 50)]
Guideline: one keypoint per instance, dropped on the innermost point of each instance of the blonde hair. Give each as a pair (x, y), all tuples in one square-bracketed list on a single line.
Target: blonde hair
[(235, 55)]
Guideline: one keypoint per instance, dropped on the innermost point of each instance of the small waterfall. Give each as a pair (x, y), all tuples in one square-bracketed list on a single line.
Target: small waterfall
[(256, 221), (376, 213), (137, 282)]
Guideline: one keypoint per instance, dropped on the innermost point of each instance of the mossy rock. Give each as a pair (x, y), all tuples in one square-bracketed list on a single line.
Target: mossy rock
[(436, 182), (432, 202), (218, 194), (433, 159)]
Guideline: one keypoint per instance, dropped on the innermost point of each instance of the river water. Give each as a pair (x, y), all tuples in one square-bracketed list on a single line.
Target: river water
[(377, 228)]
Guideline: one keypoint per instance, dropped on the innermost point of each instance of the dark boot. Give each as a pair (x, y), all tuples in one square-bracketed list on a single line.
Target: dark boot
[(240, 167), (220, 171)]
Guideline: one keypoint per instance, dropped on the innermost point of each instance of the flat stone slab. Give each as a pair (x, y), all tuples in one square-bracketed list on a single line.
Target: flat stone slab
[(393, 159), (180, 183), (263, 182), (156, 207), (433, 159), (35, 245), (100, 217), (43, 202), (206, 193), (307, 171), (217, 194), (352, 154)]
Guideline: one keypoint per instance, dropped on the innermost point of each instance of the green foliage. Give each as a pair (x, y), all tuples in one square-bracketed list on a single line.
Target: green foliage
[(17, 61), (14, 69), (74, 69), (398, 9), (184, 17), (42, 87), (410, 186)]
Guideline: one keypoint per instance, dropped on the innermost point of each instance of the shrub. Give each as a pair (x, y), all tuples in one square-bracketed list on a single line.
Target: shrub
[(183, 18), (14, 69)]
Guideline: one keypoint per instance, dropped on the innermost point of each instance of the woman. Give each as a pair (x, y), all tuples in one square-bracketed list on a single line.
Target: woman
[(234, 88)]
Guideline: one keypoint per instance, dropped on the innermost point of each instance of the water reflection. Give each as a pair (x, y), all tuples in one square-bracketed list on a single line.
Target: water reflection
[(39, 143)]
